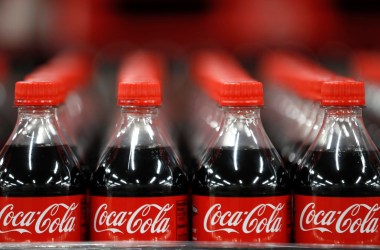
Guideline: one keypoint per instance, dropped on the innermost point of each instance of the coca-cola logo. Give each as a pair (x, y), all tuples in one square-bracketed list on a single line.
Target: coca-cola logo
[(55, 218), (356, 218), (151, 218), (262, 218)]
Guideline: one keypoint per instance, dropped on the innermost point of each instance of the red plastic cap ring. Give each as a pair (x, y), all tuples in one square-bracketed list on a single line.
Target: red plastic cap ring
[(343, 93), (38, 93)]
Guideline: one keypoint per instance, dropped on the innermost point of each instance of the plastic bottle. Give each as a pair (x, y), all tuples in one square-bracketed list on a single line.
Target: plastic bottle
[(337, 187), (241, 190), (41, 185), (139, 191)]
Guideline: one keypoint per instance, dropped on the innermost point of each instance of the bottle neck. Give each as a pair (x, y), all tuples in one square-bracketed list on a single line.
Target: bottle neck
[(37, 125), (143, 112), (139, 116), (353, 112), (343, 118), (241, 113), (242, 127), (137, 127), (37, 112), (343, 129)]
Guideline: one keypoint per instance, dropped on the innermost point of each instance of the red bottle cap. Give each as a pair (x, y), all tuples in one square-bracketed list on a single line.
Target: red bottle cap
[(345, 92), (366, 65), (221, 76), (62, 74), (140, 79), (48, 73), (38, 93)]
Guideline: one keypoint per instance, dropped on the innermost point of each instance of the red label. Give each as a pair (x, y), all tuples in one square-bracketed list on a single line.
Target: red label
[(337, 220), (241, 219), (58, 218), (139, 218)]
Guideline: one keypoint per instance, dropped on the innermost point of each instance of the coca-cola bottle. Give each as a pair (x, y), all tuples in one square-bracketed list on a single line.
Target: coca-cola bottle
[(42, 192), (337, 185), (241, 190), (138, 191)]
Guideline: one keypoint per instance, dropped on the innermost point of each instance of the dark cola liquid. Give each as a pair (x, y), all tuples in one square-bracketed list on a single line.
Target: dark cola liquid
[(39, 170), (148, 172), (352, 173), (238, 173)]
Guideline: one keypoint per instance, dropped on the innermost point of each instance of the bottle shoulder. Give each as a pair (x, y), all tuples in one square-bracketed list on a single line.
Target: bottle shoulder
[(353, 172), (128, 171), (249, 171)]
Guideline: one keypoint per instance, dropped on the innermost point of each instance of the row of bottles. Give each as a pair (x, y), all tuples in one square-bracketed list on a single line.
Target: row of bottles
[(333, 164), (238, 189)]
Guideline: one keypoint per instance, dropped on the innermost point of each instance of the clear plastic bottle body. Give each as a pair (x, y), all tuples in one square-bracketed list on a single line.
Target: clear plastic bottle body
[(139, 177), (241, 161), (35, 161), (138, 160), (343, 160), (40, 182), (337, 185), (240, 174)]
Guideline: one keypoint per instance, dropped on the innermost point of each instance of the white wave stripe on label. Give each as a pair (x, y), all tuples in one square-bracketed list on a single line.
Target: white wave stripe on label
[(45, 221), (244, 221), (340, 221), (147, 218)]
